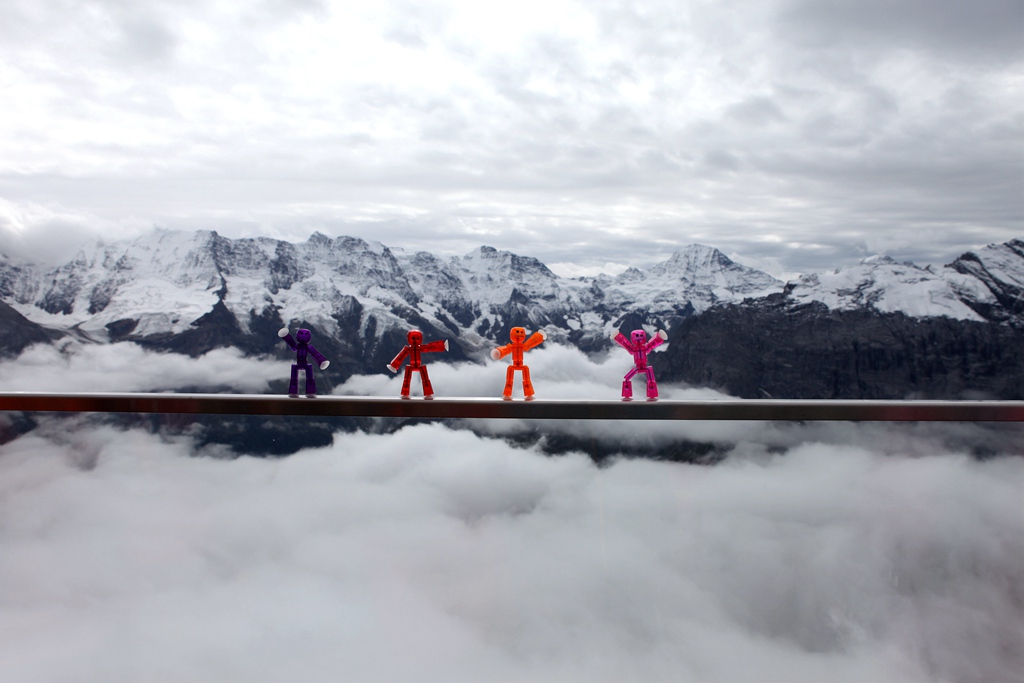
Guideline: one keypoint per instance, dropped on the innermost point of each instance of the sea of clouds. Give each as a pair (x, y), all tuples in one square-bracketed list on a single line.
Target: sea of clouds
[(835, 552)]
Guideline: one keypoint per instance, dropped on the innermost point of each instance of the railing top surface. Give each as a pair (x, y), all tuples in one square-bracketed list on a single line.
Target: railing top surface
[(496, 408)]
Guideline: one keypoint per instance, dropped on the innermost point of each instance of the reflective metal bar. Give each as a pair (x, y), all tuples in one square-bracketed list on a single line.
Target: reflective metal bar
[(540, 409)]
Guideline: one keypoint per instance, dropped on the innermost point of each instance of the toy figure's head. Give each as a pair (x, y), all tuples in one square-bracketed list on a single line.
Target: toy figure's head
[(638, 336), (517, 334), (303, 336), (415, 337)]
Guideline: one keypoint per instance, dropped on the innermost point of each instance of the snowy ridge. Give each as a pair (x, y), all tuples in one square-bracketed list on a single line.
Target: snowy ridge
[(884, 285), (166, 282), (987, 285)]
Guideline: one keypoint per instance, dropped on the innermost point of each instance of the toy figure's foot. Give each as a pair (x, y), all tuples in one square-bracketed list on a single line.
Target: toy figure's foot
[(310, 395), (428, 397), (528, 398), (627, 398), (506, 398), (293, 395), (652, 398)]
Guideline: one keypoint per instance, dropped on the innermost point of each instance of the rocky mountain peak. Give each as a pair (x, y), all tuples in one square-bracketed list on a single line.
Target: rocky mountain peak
[(504, 263), (707, 268), (696, 257), (999, 268)]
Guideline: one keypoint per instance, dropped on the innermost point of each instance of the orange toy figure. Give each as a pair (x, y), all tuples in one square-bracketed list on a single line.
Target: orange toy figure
[(520, 345), (413, 349)]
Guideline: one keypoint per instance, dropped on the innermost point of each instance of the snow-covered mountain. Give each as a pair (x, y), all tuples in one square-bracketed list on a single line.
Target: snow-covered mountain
[(880, 329), (987, 285), (191, 292), (166, 283)]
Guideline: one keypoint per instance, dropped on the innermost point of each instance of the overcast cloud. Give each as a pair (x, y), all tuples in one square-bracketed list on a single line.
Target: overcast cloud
[(440, 555), (71, 367), (812, 133)]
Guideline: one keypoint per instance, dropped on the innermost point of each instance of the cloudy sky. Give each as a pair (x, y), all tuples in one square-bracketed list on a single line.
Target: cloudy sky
[(804, 133)]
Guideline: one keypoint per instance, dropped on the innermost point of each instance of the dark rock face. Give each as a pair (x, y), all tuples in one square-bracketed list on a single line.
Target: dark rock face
[(768, 348), (1008, 294), (120, 329), (60, 295), (18, 332)]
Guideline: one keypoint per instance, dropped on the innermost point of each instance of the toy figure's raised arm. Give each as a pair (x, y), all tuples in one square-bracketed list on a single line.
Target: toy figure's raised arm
[(393, 365), (319, 357), (658, 340), (439, 345), (535, 339), (623, 341), (283, 333)]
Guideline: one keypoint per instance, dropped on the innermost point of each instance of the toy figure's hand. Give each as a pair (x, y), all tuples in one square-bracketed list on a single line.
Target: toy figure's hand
[(614, 335), (445, 344), (543, 334), (392, 368), (323, 366), (663, 334), (283, 332), (495, 354)]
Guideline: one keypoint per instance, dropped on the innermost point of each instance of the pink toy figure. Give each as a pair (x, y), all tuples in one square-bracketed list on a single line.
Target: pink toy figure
[(413, 349), (520, 345), (638, 345), (301, 346)]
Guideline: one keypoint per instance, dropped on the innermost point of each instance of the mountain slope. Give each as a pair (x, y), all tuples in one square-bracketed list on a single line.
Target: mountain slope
[(880, 329), (771, 348)]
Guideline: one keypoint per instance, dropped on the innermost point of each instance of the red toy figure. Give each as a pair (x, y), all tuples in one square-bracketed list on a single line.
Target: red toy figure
[(413, 349), (520, 345), (638, 345)]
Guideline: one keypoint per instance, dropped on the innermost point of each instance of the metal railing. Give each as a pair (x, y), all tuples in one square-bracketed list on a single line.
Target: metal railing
[(539, 409)]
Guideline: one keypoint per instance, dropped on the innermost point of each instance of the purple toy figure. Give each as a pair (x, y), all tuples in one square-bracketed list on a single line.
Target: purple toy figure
[(413, 349), (301, 346), (638, 345)]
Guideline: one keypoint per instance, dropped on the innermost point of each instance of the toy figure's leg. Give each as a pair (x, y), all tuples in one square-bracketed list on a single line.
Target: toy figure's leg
[(527, 384), (406, 381), (652, 386), (293, 386), (310, 381), (425, 378), (509, 374), (627, 384)]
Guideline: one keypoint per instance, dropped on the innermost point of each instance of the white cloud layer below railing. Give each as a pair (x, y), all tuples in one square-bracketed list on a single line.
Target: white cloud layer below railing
[(434, 554)]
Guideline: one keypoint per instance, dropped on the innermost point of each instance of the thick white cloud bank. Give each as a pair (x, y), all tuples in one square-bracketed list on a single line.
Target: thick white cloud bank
[(435, 555), (72, 367)]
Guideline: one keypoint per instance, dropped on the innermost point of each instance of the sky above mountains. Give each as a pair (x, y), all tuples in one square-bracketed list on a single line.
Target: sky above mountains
[(801, 134)]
